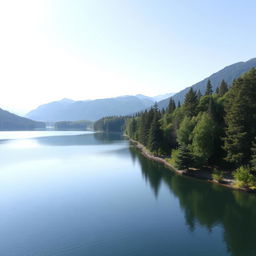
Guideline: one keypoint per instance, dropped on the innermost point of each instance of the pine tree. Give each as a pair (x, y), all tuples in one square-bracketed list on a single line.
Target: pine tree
[(223, 88), (184, 159), (217, 91), (155, 134), (171, 106), (190, 103), (240, 119), (209, 90)]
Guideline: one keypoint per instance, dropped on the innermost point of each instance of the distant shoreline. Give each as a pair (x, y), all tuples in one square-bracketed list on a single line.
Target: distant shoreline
[(196, 174)]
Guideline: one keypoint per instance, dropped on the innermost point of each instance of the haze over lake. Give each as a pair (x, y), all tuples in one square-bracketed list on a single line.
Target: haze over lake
[(83, 193)]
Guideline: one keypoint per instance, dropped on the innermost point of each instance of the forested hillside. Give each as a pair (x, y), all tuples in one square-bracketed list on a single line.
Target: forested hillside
[(217, 129), (12, 122)]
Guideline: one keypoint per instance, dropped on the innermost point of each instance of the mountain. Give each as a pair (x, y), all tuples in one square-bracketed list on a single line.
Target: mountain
[(228, 73), (12, 122), (163, 96), (68, 110)]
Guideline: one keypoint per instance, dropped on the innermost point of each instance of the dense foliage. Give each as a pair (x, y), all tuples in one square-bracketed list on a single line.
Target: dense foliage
[(110, 124), (217, 129)]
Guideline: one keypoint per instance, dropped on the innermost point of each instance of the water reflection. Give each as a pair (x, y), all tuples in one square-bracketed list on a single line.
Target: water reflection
[(82, 139), (208, 205)]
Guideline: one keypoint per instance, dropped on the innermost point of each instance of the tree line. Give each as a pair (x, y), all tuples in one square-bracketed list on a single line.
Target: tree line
[(215, 129)]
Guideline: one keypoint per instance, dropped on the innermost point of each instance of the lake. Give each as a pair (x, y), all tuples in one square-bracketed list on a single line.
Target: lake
[(82, 193)]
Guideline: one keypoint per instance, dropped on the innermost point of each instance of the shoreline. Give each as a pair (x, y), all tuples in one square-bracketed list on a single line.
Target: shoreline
[(195, 174)]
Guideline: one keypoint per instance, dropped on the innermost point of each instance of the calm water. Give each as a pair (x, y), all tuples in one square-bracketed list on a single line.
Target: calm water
[(67, 193)]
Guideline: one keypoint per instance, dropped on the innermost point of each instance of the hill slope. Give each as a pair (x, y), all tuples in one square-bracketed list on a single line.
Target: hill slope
[(228, 73), (67, 110), (12, 122)]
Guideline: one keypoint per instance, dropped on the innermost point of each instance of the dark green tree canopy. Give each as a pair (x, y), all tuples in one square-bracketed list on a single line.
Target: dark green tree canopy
[(209, 90), (223, 88), (190, 103), (240, 118)]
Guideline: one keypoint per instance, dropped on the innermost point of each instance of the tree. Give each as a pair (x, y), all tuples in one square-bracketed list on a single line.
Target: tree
[(185, 131), (184, 158), (171, 106), (199, 94), (190, 103), (209, 90), (240, 119), (155, 134), (203, 139), (223, 88)]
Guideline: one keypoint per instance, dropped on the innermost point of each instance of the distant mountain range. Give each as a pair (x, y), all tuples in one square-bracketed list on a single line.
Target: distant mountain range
[(228, 73), (12, 122), (69, 110)]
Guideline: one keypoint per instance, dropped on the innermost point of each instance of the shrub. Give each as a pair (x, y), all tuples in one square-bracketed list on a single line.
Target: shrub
[(217, 175), (244, 178)]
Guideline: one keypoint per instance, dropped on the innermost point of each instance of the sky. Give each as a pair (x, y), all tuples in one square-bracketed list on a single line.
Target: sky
[(88, 49)]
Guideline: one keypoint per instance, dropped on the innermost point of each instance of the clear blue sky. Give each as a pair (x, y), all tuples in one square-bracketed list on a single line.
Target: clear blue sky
[(97, 48)]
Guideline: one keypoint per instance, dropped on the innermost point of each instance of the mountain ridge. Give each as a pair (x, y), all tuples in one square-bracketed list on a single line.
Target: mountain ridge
[(12, 122), (228, 73)]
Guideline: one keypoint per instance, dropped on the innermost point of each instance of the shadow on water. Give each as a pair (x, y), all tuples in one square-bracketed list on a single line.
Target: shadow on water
[(208, 205), (81, 140)]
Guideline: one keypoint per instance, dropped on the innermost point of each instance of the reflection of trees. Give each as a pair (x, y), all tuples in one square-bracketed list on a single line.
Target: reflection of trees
[(209, 205), (80, 140)]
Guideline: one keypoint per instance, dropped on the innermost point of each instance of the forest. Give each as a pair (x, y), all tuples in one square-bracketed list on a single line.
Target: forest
[(216, 130)]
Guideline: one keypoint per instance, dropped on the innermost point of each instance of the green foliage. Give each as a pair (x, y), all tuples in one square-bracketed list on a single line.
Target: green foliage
[(110, 124), (184, 158), (155, 134), (223, 88), (203, 139), (190, 103), (217, 175), (244, 177), (185, 131), (240, 118), (216, 128), (209, 90), (171, 106)]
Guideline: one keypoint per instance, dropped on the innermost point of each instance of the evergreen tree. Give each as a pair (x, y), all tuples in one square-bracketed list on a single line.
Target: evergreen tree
[(179, 104), (240, 118), (190, 103), (223, 88), (209, 90), (211, 109), (171, 106), (184, 159), (217, 91), (155, 134)]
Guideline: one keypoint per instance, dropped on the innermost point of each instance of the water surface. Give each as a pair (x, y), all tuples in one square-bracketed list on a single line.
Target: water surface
[(77, 193)]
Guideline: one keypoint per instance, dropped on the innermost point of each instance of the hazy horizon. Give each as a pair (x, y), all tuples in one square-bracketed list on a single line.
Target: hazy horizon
[(95, 49)]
